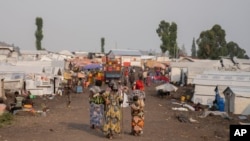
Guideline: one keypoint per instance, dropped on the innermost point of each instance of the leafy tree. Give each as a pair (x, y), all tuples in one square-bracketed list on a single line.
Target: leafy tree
[(234, 50), (102, 44), (210, 43), (193, 50), (39, 33), (168, 34)]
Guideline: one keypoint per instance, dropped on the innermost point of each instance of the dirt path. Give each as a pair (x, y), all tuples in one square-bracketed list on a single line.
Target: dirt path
[(72, 124)]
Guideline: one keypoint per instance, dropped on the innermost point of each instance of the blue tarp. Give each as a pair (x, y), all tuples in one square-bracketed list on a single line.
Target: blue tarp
[(92, 66)]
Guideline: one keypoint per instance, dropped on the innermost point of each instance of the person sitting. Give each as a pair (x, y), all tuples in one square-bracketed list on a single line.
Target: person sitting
[(18, 103)]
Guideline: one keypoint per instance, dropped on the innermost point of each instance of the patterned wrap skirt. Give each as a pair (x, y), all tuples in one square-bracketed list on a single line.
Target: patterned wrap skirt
[(137, 123), (96, 114)]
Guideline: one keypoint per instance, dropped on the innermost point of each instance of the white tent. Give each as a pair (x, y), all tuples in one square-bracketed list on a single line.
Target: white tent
[(237, 100), (192, 68), (66, 52), (205, 85)]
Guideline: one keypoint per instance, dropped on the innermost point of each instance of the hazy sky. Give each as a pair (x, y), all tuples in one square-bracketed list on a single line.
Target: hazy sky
[(79, 25)]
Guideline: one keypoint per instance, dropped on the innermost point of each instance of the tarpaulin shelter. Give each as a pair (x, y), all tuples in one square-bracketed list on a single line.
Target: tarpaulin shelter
[(167, 87)]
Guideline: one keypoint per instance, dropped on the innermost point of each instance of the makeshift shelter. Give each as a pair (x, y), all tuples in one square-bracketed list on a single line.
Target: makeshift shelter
[(204, 95), (191, 68), (205, 85), (237, 100), (167, 87)]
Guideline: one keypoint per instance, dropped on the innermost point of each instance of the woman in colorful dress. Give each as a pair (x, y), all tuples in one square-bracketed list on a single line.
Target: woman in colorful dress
[(96, 107), (137, 99), (113, 100), (137, 114)]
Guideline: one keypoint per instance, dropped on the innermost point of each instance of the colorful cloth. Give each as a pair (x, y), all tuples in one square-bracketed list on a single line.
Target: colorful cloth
[(137, 114), (139, 85), (139, 93), (112, 122), (96, 114), (96, 107), (137, 111)]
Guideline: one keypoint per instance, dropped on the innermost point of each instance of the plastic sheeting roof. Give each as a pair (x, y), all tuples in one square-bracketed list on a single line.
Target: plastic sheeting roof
[(224, 80)]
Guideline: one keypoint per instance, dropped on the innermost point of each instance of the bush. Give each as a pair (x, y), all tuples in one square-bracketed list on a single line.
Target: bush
[(6, 119)]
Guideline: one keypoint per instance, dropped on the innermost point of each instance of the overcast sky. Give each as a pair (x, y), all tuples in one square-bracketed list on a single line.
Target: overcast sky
[(79, 25)]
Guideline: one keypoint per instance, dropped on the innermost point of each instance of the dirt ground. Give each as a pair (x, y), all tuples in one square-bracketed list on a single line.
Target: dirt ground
[(72, 124)]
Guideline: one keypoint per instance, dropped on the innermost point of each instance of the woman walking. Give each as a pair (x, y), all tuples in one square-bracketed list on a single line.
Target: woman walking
[(137, 99), (137, 114), (96, 107), (113, 100)]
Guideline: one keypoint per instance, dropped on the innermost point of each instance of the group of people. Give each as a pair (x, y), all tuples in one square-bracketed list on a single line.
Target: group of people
[(106, 108), (21, 101)]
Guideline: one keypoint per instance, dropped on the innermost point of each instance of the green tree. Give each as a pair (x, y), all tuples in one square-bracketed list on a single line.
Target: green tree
[(168, 34), (39, 33), (210, 43), (193, 50), (102, 44), (234, 50)]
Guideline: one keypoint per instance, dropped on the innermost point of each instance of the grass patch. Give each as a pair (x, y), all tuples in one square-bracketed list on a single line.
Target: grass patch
[(6, 119)]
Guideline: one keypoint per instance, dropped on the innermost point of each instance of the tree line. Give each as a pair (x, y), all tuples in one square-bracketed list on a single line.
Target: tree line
[(211, 43)]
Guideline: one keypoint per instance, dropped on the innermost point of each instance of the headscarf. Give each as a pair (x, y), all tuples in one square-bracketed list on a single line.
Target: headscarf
[(95, 89)]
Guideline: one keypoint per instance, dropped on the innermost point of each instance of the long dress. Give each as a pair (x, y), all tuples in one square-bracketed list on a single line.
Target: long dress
[(112, 124), (96, 108), (137, 112)]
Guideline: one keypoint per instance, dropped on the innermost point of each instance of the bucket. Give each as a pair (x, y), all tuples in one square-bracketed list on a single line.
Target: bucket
[(183, 98), (32, 96)]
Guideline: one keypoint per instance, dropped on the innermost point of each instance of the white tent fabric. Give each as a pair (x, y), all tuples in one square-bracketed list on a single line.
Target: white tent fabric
[(167, 87), (66, 52), (204, 95)]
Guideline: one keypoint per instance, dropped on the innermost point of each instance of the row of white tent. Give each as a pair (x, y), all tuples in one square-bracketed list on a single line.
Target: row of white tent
[(233, 87), (37, 76), (232, 79)]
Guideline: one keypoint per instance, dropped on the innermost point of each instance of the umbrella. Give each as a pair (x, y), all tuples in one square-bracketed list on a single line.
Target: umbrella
[(167, 87), (92, 66)]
